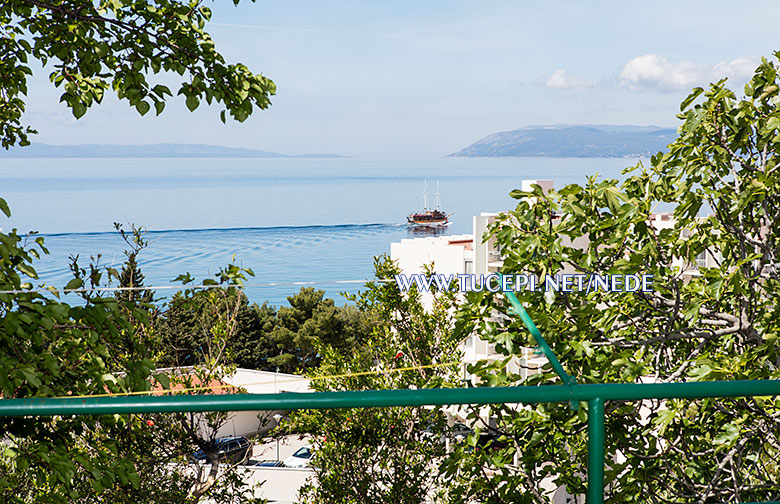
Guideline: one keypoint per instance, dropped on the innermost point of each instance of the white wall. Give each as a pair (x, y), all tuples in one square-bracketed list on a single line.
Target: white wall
[(243, 423), (413, 254), (267, 382)]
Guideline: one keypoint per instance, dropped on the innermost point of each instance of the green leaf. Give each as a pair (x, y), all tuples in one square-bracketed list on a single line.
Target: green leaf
[(97, 486), (663, 419), (31, 376), (687, 101), (75, 283), (728, 435), (142, 107), (192, 103), (694, 119), (163, 380), (4, 208), (27, 270), (79, 109), (700, 372), (161, 90)]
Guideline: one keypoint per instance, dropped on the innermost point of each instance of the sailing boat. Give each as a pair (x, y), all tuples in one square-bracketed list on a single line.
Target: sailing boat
[(429, 217)]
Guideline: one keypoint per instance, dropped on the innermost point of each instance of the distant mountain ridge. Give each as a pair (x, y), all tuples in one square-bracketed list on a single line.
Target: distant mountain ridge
[(591, 140), (162, 150)]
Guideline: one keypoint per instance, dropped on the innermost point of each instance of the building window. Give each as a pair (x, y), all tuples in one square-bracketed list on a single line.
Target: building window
[(701, 260)]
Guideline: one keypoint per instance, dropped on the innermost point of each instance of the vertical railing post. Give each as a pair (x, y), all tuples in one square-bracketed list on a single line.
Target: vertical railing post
[(596, 451)]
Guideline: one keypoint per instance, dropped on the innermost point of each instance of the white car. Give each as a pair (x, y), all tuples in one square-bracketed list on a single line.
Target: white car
[(300, 458)]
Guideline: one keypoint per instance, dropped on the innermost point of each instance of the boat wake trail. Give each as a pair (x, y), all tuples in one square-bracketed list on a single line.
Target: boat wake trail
[(318, 227)]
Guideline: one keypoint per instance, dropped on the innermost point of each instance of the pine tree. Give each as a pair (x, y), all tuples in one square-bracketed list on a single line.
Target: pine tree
[(131, 276)]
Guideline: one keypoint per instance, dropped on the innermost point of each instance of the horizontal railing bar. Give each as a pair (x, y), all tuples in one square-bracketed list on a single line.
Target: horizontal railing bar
[(383, 398), (686, 390)]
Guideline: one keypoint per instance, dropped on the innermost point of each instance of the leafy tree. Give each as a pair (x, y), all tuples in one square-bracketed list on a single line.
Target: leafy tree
[(49, 348), (95, 47), (378, 454), (212, 480), (720, 322)]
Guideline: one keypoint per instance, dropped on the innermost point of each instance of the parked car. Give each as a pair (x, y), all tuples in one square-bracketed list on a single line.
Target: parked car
[(457, 432), (301, 458), (235, 450), (490, 441), (269, 463), (486, 440)]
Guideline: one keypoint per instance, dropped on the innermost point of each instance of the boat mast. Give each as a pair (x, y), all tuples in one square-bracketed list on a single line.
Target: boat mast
[(437, 196), (425, 197)]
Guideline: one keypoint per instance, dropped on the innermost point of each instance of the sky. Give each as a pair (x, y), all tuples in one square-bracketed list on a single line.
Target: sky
[(427, 78)]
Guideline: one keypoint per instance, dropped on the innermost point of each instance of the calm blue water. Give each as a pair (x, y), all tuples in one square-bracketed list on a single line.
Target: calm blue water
[(287, 219)]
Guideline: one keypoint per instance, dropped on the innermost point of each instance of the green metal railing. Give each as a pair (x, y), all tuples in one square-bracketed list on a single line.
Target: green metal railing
[(594, 394)]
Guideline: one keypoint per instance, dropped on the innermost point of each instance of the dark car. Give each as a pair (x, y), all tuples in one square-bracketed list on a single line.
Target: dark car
[(460, 431), (491, 441), (269, 463), (235, 450), (487, 439)]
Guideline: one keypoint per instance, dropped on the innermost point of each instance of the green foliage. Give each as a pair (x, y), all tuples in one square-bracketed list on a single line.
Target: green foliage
[(309, 323), (286, 339), (185, 328), (377, 455), (718, 323), (49, 348), (252, 346), (142, 463), (118, 45)]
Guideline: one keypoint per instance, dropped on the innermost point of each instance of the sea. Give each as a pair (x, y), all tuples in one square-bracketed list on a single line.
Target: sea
[(289, 220)]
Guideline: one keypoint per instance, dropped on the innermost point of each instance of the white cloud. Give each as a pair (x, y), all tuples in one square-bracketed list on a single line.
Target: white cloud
[(740, 69), (560, 79), (655, 72)]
